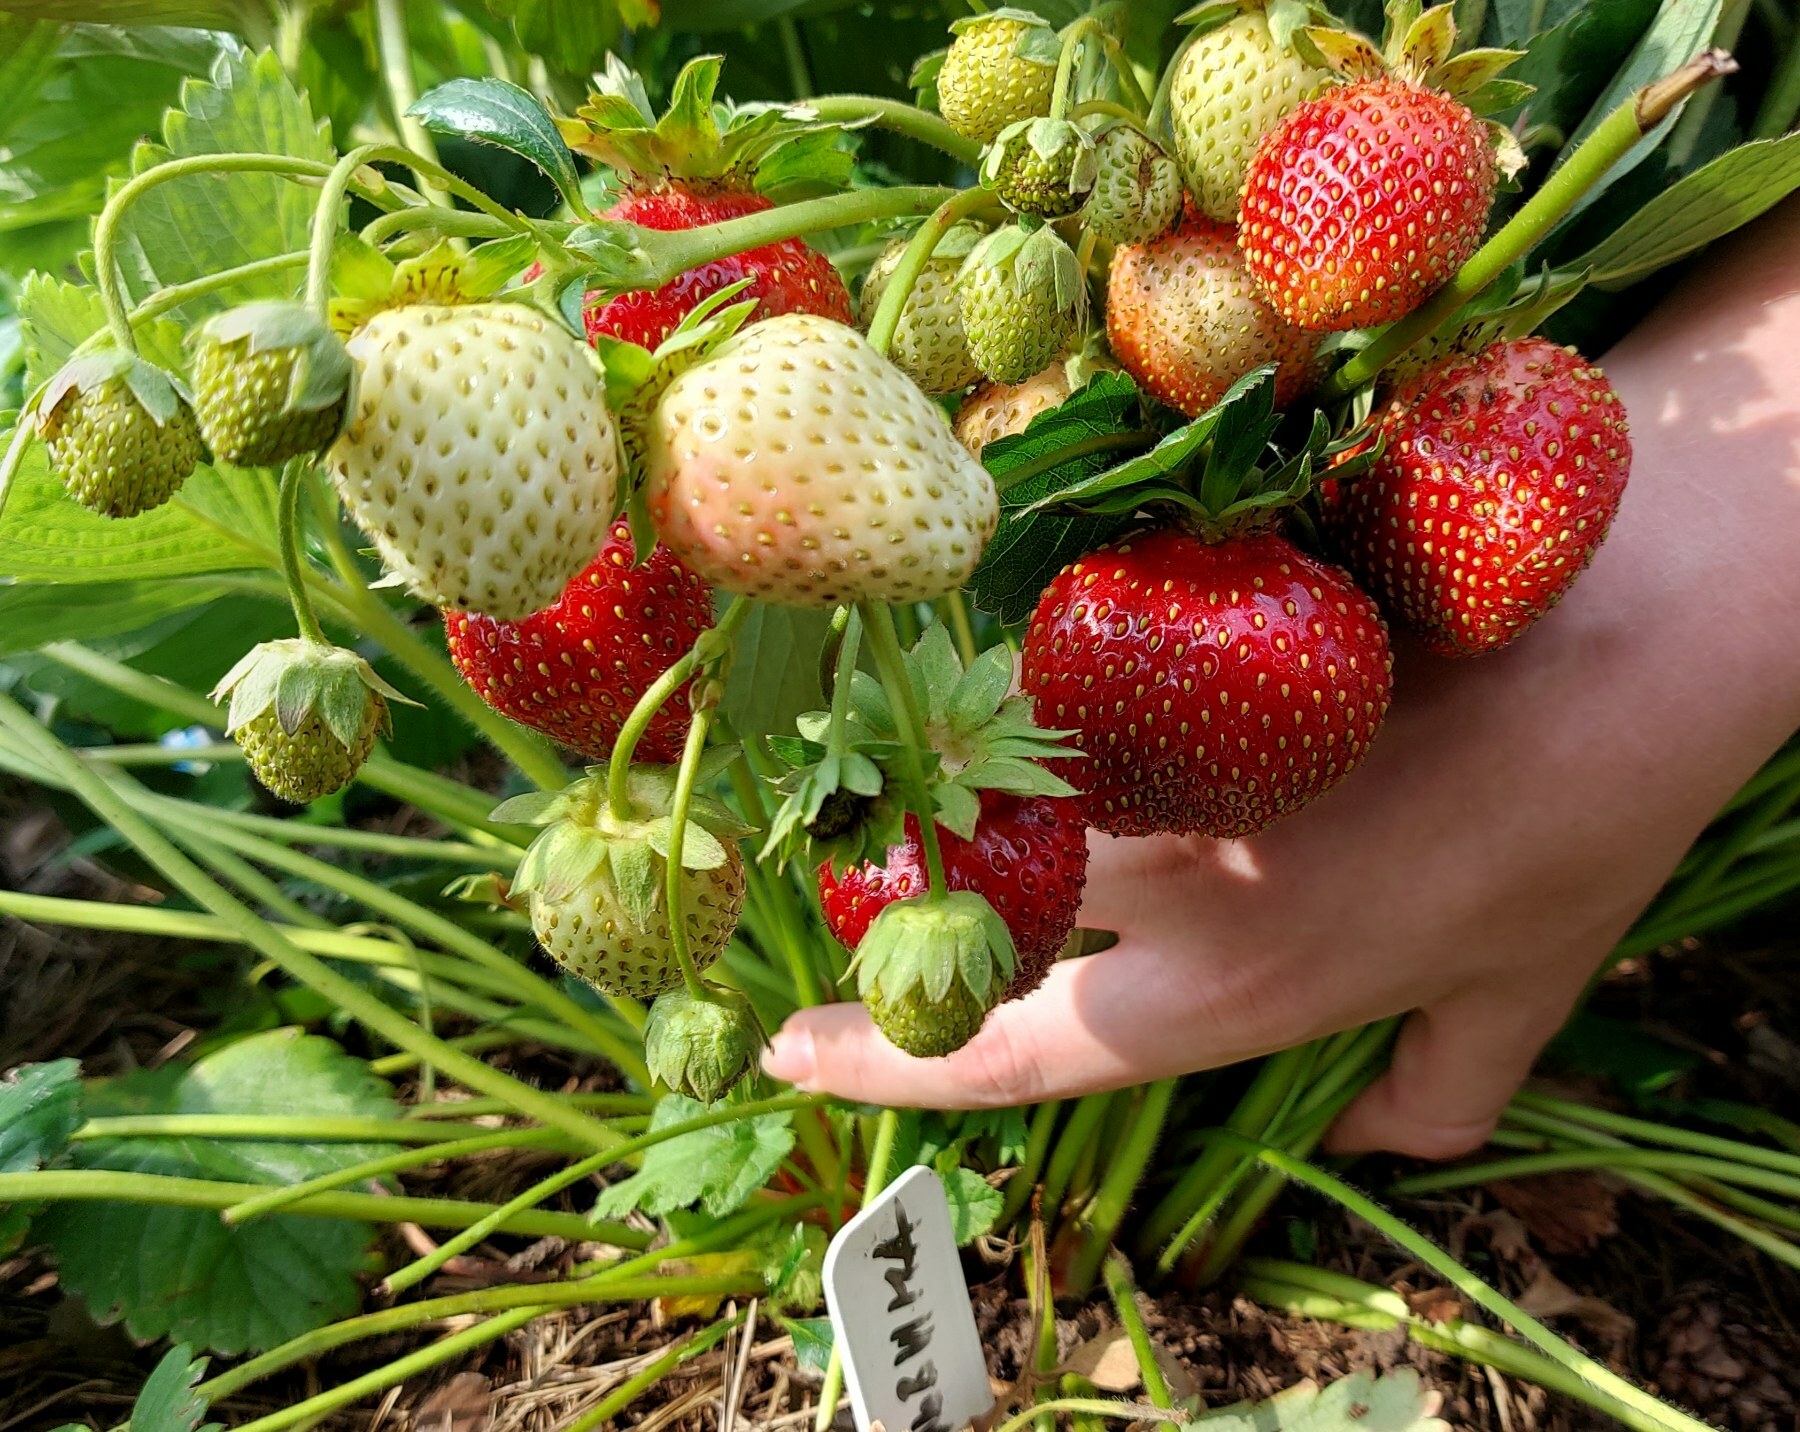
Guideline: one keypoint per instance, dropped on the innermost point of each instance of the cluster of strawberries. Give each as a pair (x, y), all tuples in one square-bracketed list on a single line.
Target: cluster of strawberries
[(1203, 674)]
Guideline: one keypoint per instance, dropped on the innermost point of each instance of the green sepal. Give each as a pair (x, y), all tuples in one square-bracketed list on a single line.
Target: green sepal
[(923, 79), (323, 371), (957, 809), (700, 848), (637, 873), (1420, 49), (1343, 52), (158, 392), (369, 282), (1038, 43), (925, 944), (702, 1047), (299, 678)]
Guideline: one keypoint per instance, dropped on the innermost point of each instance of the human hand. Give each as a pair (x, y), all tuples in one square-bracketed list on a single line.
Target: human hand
[(1515, 815)]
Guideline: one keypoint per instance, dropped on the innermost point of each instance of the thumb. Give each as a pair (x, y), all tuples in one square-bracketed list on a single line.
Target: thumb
[(1456, 1065)]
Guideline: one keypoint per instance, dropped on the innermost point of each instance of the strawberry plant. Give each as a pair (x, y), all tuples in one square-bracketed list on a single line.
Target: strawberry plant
[(485, 423)]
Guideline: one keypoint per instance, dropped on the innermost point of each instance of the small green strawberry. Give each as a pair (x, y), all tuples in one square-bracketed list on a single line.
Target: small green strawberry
[(1023, 302), (306, 715), (1041, 167), (702, 1046), (594, 880), (119, 431), (931, 968), (1000, 68), (1137, 188), (929, 345), (1234, 82), (271, 382)]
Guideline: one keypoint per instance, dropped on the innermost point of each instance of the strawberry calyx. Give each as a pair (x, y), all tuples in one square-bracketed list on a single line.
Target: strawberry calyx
[(782, 151), (702, 1045), (323, 373), (1041, 167), (931, 968), (584, 837), (365, 281), (160, 393), (1286, 18), (1420, 50)]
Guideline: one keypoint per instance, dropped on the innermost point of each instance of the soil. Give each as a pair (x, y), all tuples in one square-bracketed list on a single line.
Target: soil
[(1695, 1314)]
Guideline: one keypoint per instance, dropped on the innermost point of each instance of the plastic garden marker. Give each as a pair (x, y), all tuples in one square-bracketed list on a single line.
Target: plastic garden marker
[(913, 1360)]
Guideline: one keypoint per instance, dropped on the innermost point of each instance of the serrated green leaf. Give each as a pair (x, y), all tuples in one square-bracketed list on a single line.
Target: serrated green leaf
[(1695, 210), (813, 1339), (167, 1401), (975, 1204), (177, 1272), (40, 1107), (717, 1168), (491, 111), (572, 35), (198, 225)]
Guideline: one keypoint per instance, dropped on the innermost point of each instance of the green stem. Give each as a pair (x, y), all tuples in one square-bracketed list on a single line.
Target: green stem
[(674, 883), (444, 223), (1778, 1248), (1611, 140), (14, 458), (1078, 1134), (1652, 1132), (1037, 1148), (1781, 101), (107, 802), (326, 218), (910, 120), (1560, 1160), (1124, 1172), (165, 300), (881, 1154), (106, 229), (160, 1191), (1124, 1296), (1090, 1406), (278, 1128), (618, 766), (422, 1268), (672, 254), (771, 887), (1072, 41), (293, 478), (878, 620), (964, 630), (913, 259), (603, 1413), (251, 883), (397, 75), (1465, 1282), (1128, 80)]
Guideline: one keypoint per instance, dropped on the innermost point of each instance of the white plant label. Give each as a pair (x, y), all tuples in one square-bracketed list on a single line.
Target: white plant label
[(913, 1360)]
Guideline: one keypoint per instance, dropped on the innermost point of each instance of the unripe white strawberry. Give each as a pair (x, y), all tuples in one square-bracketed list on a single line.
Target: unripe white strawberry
[(798, 465), (481, 459), (929, 344), (1232, 84)]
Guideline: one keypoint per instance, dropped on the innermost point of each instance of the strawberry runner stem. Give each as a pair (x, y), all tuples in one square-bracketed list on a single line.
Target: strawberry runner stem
[(1611, 140)]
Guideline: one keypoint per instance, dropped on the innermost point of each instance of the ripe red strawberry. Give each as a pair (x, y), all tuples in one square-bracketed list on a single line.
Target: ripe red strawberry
[(1028, 860), (699, 164), (1212, 687), (1500, 476), (1185, 320), (1362, 202), (785, 277), (574, 670)]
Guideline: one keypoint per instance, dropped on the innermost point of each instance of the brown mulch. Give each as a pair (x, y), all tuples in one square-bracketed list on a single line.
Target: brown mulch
[(1690, 1311)]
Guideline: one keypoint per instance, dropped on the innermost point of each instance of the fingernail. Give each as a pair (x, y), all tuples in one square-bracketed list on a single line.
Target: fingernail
[(790, 1058)]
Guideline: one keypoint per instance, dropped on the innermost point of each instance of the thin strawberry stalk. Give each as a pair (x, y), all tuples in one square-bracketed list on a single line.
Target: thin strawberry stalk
[(1094, 1407), (1560, 1160), (672, 867), (395, 51), (1124, 1296), (166, 300), (1037, 1148), (878, 618), (326, 218), (907, 119), (1604, 1120), (293, 478), (1079, 1133), (298, 1128), (912, 263), (101, 796), (774, 890), (1611, 140), (14, 457), (1124, 1171)]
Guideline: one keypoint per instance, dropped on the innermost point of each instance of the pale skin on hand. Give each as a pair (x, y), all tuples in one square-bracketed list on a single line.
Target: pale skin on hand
[(1512, 820)]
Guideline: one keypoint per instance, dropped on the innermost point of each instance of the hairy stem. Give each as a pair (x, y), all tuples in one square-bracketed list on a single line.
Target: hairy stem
[(912, 263), (907, 119), (293, 478), (878, 619)]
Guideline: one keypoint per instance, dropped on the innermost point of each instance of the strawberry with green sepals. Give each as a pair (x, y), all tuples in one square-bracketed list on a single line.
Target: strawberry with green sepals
[(480, 456), (119, 430), (931, 968), (696, 165), (1214, 676), (271, 382), (1000, 69), (594, 879), (574, 670), (1043, 167), (1363, 201), (1137, 188), (798, 465), (306, 715), (1498, 478), (1235, 79), (1027, 858), (929, 344), (1184, 319), (702, 1046), (1023, 301)]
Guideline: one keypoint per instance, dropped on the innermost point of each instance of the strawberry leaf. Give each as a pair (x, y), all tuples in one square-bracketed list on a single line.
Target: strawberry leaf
[(718, 1168), (40, 1107), (491, 111), (167, 1401), (1363, 1402), (177, 1272)]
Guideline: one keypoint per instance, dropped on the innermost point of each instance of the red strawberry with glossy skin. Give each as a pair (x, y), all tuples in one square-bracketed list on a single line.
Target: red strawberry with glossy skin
[(1500, 476), (1213, 687), (785, 277), (1362, 202), (1185, 320), (1028, 860), (574, 670)]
